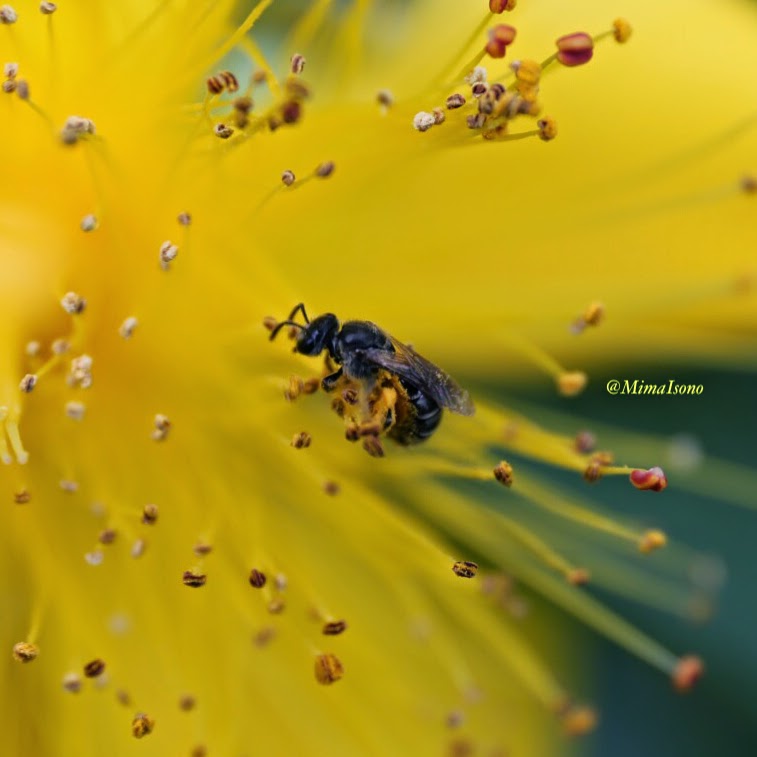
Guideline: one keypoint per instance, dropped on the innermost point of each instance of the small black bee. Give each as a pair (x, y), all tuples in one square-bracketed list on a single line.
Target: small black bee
[(362, 349)]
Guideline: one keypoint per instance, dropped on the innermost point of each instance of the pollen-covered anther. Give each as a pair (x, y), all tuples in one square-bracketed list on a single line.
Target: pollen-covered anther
[(88, 223), (578, 576), (75, 410), (547, 128), (71, 683), (257, 579), (571, 383), (107, 536), (455, 101), (373, 446), (142, 725), (592, 472), (126, 329), (621, 30), (22, 497), (288, 178), (575, 49), (8, 15), (10, 70), (60, 346), (328, 669), (81, 372), (28, 383), (162, 427), (201, 549), (325, 169), (94, 558), (222, 131), (76, 127), (150, 514), (584, 442), (47, 8), (276, 606), (479, 89), (25, 651), (438, 115), (297, 63), (687, 672), (500, 6), (167, 254), (476, 121), (184, 219), (294, 389), (331, 488), (652, 479), (301, 440), (138, 548), (94, 668), (503, 472), (193, 579), (423, 121), (465, 569), (9, 86), (652, 540), (32, 348), (22, 89), (500, 37), (73, 303), (578, 720), (334, 628)]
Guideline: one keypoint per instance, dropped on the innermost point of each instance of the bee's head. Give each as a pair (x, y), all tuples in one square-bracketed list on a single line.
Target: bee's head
[(318, 335)]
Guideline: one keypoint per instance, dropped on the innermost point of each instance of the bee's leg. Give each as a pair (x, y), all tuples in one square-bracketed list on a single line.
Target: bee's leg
[(329, 382)]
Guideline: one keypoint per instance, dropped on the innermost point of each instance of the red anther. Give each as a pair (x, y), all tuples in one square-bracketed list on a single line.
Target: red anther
[(500, 37), (653, 479), (575, 49), (688, 671)]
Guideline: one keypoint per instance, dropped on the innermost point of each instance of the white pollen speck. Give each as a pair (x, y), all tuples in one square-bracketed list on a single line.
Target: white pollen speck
[(32, 348), (168, 253), (73, 303), (75, 410), (138, 548), (423, 121), (68, 486), (89, 222), (126, 329), (94, 558), (10, 70)]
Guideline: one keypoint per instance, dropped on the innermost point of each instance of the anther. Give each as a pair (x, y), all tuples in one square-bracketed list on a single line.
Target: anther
[(297, 63), (477, 75), (687, 672), (81, 372), (276, 606), (162, 427), (621, 30), (571, 383), (575, 49), (194, 579), (8, 15), (167, 254), (465, 569), (324, 170), (94, 668), (187, 702), (301, 440), (72, 683), (593, 472), (293, 391), (584, 442), (9, 86), (454, 101), (222, 131), (94, 558), (547, 128), (76, 127), (25, 651), (652, 540), (201, 549), (578, 576), (123, 698), (500, 6), (28, 383), (479, 89), (73, 303), (257, 579), (10, 70), (88, 223), (438, 115), (500, 37), (476, 122), (142, 725), (385, 98), (22, 497), (373, 446), (150, 514), (291, 112), (288, 178), (578, 720), (184, 219), (126, 329), (423, 121), (32, 348), (328, 668), (331, 488), (60, 346), (749, 184), (47, 8), (503, 472), (334, 627), (653, 479), (264, 636)]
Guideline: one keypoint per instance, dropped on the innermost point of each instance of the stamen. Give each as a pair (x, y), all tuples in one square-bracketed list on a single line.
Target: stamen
[(150, 514), (72, 683), (301, 440), (73, 303), (126, 329), (288, 178), (334, 627), (88, 223), (142, 725), (25, 651), (8, 15), (184, 219), (653, 479), (94, 668), (167, 254), (687, 672), (187, 702), (28, 382), (47, 8), (575, 49), (162, 427), (297, 63), (193, 579), (328, 669), (257, 579), (465, 569)]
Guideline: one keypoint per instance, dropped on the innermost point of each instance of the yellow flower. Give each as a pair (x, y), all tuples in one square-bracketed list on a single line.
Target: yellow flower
[(193, 560)]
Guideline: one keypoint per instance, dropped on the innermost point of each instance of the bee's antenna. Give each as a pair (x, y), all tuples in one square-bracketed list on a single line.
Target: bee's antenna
[(279, 326)]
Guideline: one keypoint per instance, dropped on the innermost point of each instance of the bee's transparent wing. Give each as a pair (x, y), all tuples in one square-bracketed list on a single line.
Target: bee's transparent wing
[(406, 363)]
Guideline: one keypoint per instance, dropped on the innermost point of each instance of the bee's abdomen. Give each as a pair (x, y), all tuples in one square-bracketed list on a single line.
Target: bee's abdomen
[(422, 421)]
